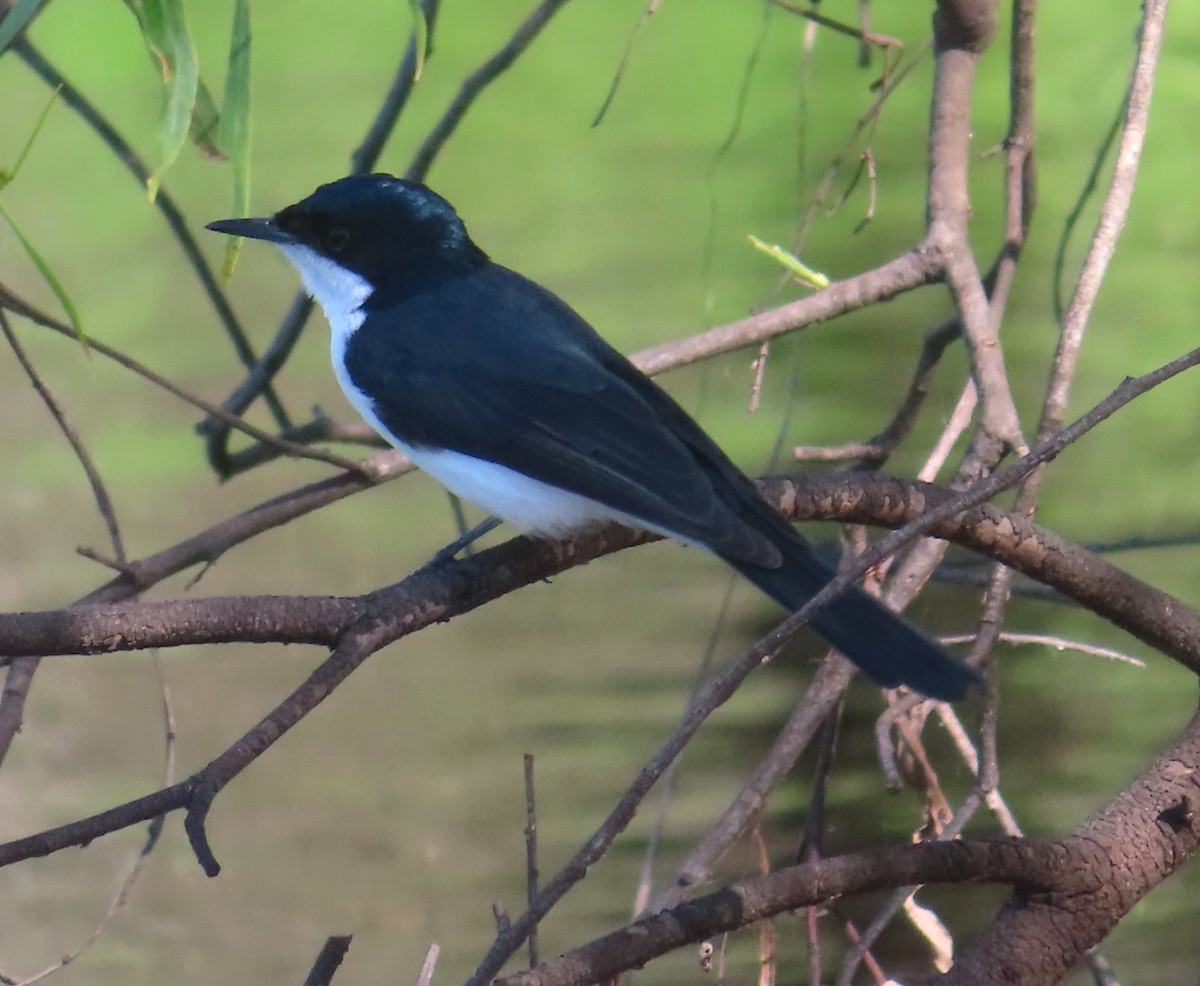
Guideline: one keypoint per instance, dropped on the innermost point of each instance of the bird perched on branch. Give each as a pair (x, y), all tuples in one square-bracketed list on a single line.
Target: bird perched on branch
[(497, 388)]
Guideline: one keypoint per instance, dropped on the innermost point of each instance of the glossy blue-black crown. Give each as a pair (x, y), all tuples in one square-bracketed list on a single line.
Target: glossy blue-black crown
[(379, 226)]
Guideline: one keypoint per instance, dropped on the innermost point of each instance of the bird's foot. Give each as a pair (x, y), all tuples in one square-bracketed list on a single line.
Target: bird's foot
[(451, 550)]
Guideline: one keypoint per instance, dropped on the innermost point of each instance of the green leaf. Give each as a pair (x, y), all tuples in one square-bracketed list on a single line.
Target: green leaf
[(233, 136), (809, 276), (206, 121), (8, 174), (48, 274), (164, 29), (15, 19)]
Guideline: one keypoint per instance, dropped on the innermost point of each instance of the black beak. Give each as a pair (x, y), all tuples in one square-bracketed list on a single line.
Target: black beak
[(253, 229)]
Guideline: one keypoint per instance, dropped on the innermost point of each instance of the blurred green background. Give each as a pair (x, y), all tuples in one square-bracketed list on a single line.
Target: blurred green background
[(395, 812)]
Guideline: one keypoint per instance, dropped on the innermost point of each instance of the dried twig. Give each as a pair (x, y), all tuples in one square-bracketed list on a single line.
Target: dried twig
[(531, 852)]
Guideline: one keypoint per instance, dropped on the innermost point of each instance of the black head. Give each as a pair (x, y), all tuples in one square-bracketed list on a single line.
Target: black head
[(376, 225)]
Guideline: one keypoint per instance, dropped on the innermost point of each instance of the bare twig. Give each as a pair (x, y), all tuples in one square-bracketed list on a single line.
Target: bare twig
[(1073, 218), (427, 967), (810, 14), (819, 703), (1053, 643), (864, 126), (531, 852), (99, 491), (328, 960), (476, 82), (138, 864), (667, 786), (1112, 216), (13, 303), (366, 155), (615, 84), (114, 905)]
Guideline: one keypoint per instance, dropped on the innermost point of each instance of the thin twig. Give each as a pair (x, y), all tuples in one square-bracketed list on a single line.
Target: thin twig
[(916, 268), (819, 703), (1075, 215), (13, 303), (861, 34), (1053, 643), (366, 155), (431, 957), (666, 789), (19, 678), (328, 960), (141, 857), (899, 896), (1112, 216), (615, 84), (475, 83), (99, 492), (531, 852)]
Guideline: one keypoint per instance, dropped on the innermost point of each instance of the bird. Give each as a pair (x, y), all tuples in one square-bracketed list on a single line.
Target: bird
[(496, 387)]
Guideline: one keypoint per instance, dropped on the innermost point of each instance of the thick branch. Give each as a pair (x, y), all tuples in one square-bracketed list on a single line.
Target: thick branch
[(1153, 616), (1015, 861), (1079, 888), (1125, 850)]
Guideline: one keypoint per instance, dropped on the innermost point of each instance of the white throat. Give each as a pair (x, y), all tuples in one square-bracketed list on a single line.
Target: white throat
[(340, 292)]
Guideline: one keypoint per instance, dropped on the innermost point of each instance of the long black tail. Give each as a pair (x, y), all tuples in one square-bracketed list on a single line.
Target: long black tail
[(883, 644)]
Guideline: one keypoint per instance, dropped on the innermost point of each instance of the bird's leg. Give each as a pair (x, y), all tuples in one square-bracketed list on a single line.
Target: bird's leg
[(452, 549)]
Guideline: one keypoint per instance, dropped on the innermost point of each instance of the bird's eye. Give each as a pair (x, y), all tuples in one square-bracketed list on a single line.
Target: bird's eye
[(337, 239)]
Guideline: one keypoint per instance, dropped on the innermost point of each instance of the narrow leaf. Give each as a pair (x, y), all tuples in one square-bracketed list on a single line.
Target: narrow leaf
[(8, 174), (164, 29), (48, 274), (233, 136), (812, 277)]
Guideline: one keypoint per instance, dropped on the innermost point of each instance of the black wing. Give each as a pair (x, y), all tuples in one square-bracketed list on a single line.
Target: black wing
[(496, 367)]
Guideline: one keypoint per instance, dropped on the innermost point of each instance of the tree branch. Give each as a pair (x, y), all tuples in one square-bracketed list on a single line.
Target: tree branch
[(1035, 865)]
